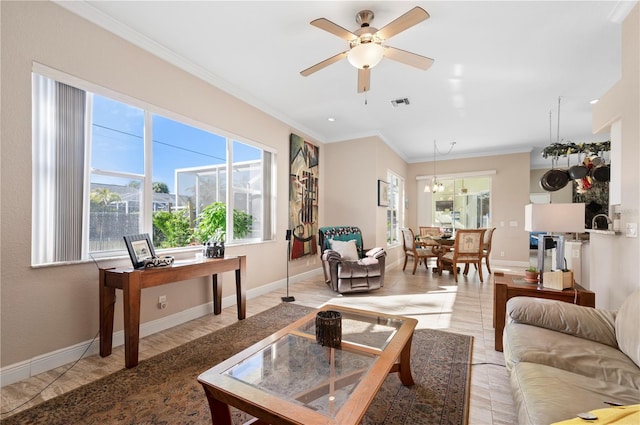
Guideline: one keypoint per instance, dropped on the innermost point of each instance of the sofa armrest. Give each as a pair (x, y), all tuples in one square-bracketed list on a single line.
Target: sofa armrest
[(584, 322)]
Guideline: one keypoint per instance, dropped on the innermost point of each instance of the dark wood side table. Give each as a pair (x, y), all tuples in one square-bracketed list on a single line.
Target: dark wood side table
[(132, 281), (509, 286)]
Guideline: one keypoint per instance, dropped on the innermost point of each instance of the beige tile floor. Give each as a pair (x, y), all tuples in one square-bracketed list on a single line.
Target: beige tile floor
[(435, 301)]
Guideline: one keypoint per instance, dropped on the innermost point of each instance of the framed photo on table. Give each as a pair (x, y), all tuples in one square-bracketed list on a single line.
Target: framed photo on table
[(383, 193), (140, 248)]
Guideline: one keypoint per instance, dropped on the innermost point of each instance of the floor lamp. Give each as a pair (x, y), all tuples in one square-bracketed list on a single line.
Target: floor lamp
[(288, 299), (553, 218)]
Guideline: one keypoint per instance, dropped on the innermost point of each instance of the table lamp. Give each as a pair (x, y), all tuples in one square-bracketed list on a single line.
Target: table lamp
[(553, 218)]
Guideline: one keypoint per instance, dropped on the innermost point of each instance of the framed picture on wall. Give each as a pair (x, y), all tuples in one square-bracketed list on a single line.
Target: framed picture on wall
[(140, 248), (383, 193)]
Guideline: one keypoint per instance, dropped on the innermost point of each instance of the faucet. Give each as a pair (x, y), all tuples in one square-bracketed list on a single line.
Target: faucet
[(593, 221)]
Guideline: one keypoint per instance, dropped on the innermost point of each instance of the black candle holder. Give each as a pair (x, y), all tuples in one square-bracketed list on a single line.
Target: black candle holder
[(329, 328)]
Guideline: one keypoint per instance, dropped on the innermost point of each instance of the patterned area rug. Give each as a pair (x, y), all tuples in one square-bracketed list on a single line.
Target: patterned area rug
[(164, 389)]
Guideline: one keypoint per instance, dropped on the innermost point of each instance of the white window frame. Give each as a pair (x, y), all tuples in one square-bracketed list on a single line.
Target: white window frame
[(398, 190), (268, 234)]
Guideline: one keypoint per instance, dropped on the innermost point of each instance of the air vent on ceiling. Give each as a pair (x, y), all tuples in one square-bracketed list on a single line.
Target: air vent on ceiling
[(399, 102)]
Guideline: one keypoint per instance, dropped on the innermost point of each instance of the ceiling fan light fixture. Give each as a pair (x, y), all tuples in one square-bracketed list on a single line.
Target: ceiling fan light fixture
[(365, 55)]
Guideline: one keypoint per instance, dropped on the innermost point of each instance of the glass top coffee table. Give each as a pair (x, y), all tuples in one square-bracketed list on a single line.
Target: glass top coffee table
[(288, 378)]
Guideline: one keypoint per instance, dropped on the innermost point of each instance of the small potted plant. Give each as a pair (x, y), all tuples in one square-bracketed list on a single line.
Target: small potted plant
[(531, 275)]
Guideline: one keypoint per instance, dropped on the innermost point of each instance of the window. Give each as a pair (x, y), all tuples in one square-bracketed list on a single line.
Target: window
[(395, 216), (463, 204), (103, 168)]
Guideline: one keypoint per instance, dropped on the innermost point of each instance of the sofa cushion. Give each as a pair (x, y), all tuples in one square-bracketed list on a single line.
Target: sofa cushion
[(526, 343), (584, 322), (347, 249), (627, 323), (545, 394)]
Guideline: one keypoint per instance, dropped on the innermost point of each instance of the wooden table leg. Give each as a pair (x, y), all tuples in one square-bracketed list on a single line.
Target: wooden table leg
[(241, 292), (131, 299), (220, 412), (107, 302), (217, 294), (499, 312), (405, 364)]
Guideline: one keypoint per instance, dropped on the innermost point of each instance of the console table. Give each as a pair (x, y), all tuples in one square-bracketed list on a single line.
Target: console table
[(508, 286), (132, 281)]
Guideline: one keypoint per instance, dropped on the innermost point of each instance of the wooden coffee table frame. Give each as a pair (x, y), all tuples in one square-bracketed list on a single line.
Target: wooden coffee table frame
[(505, 289), (223, 391)]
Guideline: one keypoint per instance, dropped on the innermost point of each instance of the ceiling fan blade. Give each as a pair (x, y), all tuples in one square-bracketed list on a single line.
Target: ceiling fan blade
[(323, 64), (409, 19), (408, 58), (364, 80), (334, 29)]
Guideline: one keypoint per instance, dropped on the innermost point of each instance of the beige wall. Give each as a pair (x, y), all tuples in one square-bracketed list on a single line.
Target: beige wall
[(614, 259), (46, 309), (352, 174), (509, 195)]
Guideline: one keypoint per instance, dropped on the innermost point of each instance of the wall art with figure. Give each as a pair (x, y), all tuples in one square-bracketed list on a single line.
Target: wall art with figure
[(303, 197)]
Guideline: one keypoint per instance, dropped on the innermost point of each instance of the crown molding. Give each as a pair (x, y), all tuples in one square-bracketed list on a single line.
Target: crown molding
[(99, 18)]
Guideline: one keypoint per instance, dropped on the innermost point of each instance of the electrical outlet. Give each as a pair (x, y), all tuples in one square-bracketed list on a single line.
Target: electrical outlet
[(502, 253), (632, 230), (162, 302)]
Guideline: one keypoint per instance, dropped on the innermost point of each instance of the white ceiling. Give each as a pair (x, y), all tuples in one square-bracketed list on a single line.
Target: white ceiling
[(499, 68)]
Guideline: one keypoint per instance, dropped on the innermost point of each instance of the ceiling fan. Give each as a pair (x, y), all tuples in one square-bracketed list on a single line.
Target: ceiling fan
[(365, 44)]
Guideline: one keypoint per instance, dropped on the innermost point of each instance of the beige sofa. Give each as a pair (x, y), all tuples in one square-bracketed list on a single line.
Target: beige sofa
[(564, 359)]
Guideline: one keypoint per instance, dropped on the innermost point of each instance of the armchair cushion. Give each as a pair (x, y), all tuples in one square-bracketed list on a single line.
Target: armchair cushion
[(347, 250), (356, 269)]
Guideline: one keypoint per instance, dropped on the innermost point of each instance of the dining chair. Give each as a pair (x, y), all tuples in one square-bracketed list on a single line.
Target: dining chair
[(411, 250), (486, 247), (468, 249), (429, 231)]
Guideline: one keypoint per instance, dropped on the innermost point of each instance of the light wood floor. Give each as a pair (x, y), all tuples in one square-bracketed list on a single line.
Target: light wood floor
[(435, 301)]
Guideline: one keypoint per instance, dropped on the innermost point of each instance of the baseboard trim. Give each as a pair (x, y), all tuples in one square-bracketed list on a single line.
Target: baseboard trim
[(507, 263), (45, 362)]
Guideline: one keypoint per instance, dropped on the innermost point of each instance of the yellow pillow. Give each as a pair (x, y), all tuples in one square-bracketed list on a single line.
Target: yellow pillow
[(620, 415)]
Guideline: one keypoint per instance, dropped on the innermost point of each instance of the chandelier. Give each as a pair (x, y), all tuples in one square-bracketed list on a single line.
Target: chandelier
[(437, 185)]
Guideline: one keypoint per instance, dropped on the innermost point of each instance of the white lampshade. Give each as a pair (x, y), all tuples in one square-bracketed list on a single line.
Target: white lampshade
[(365, 55), (554, 218)]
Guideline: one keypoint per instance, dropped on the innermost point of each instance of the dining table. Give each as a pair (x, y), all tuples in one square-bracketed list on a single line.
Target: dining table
[(440, 245)]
